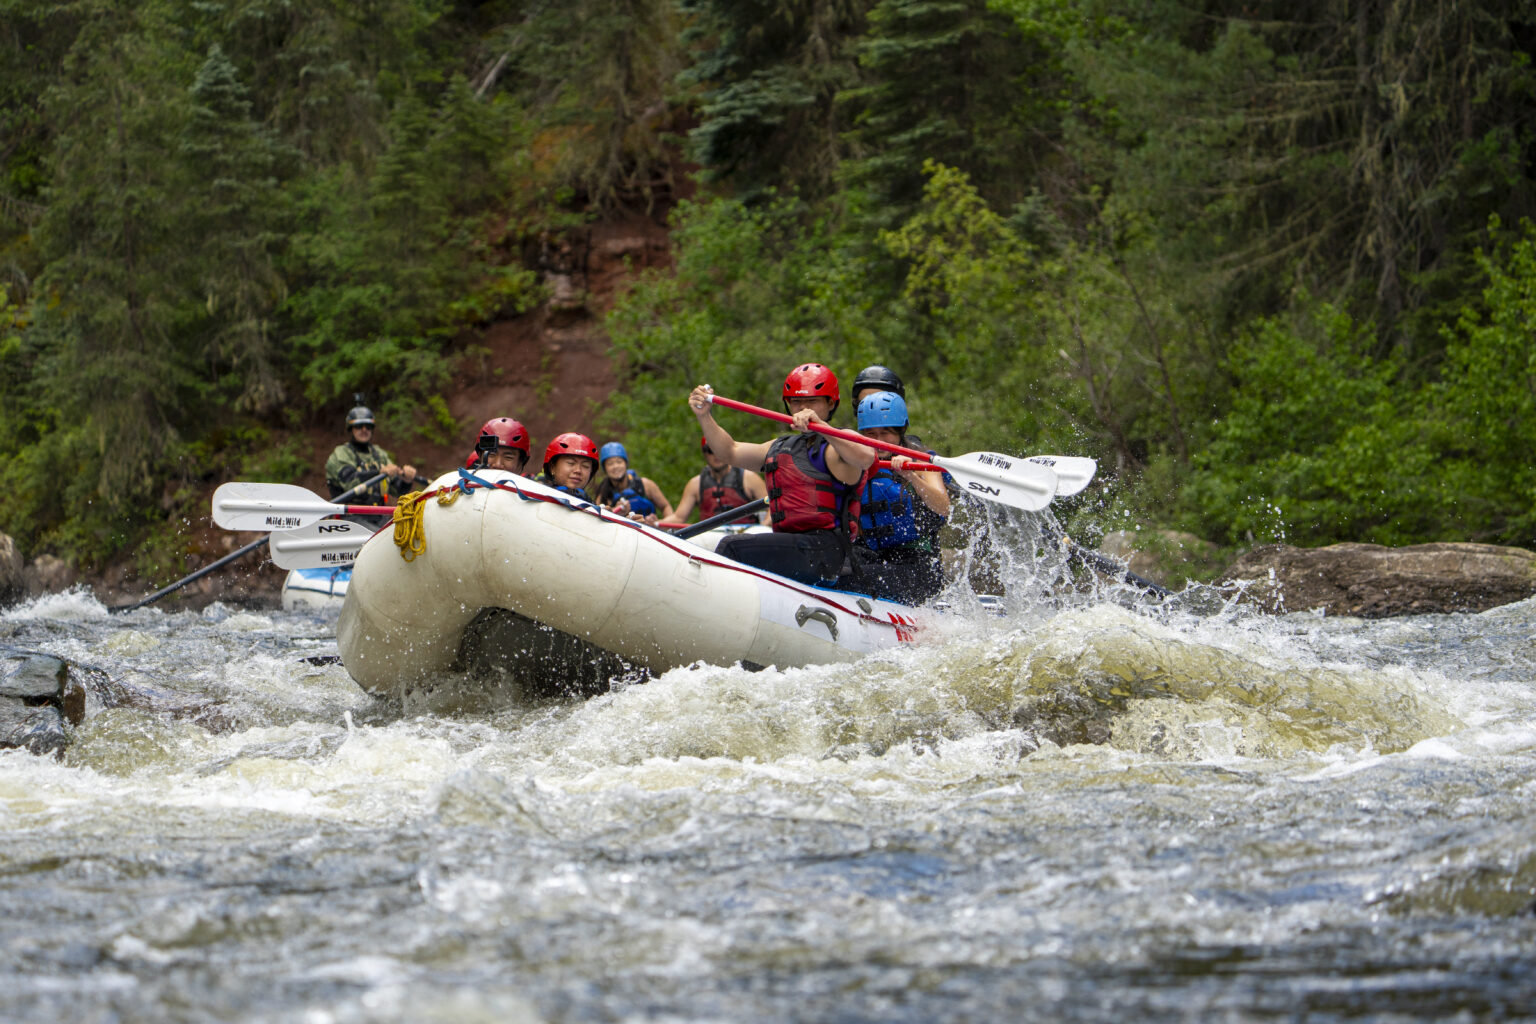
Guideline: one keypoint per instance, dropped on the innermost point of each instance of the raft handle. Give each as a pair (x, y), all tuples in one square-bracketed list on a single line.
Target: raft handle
[(820, 615)]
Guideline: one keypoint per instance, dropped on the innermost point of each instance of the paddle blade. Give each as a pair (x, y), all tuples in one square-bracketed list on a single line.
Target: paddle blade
[(1073, 472), (240, 505), (328, 544), (1005, 479)]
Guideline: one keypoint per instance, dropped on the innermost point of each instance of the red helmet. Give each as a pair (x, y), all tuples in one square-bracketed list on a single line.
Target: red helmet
[(472, 461), (811, 380), (502, 432), (571, 444)]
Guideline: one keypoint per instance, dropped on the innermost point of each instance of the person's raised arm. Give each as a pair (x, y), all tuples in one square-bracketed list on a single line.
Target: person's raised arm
[(745, 456)]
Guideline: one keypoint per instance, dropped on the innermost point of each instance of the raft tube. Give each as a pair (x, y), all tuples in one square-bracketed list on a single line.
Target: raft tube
[(511, 572)]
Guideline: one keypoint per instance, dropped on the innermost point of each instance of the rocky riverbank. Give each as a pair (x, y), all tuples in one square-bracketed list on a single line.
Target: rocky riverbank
[(1374, 582)]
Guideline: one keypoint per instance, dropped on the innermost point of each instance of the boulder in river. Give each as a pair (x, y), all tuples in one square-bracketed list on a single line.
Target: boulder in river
[(1373, 582), (37, 696), (42, 697)]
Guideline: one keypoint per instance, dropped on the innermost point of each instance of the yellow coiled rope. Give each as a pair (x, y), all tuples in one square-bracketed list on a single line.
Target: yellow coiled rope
[(410, 537)]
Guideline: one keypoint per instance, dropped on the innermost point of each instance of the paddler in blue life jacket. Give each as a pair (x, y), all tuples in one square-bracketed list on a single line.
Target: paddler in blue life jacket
[(641, 497), (502, 444), (900, 512), (719, 488), (358, 458), (570, 461), (813, 483)]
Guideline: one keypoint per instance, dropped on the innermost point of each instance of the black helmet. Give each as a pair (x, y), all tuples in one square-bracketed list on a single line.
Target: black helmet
[(877, 378), (360, 415)]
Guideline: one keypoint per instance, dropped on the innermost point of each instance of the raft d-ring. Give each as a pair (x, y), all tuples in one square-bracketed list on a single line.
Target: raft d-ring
[(820, 615)]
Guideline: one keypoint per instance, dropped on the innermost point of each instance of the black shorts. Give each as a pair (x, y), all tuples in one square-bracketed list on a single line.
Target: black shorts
[(895, 575)]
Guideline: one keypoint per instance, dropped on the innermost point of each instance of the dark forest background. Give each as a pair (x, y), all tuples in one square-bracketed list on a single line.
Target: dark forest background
[(1269, 262)]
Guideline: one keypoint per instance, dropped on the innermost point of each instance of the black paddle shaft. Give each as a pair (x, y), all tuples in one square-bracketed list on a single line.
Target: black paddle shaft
[(721, 518)]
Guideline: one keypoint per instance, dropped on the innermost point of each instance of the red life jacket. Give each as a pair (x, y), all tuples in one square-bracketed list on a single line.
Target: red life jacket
[(802, 498), (720, 494)]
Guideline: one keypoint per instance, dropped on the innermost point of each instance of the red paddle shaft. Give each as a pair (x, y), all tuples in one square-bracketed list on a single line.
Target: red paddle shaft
[(821, 428)]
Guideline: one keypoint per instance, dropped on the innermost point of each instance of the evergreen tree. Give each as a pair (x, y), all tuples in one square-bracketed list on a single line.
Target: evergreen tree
[(950, 80), (770, 73), (108, 351), (1353, 150), (233, 211), (605, 90)]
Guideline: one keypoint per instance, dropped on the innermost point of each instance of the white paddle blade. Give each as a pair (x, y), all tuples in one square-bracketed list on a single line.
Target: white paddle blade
[(328, 544), (1073, 472), (1003, 478), (240, 505)]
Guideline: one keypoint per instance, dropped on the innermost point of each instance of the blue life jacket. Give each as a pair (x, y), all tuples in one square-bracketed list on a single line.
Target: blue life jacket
[(575, 492), (633, 492), (887, 516)]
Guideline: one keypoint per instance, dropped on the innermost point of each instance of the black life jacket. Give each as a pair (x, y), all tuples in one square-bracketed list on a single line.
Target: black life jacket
[(802, 498), (722, 493)]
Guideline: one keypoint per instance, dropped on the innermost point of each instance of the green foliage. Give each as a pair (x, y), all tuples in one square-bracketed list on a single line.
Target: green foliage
[(1249, 255), (599, 77), (392, 273), (1296, 455), (1483, 408)]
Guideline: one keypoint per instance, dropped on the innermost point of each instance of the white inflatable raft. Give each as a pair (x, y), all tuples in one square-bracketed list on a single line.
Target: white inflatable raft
[(315, 590), (565, 597)]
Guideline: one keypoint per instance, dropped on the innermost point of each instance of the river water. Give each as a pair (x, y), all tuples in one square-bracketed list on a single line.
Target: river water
[(1081, 812)]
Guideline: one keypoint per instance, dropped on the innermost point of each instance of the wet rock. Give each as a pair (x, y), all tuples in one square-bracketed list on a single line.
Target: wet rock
[(13, 581), (38, 675), (41, 696), (38, 729), (49, 574), (1371, 581), (35, 690)]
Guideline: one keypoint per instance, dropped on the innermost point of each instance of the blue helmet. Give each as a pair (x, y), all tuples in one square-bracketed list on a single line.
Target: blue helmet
[(883, 409), (611, 449)]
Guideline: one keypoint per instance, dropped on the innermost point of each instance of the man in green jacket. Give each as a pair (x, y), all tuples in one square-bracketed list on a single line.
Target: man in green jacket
[(359, 458)]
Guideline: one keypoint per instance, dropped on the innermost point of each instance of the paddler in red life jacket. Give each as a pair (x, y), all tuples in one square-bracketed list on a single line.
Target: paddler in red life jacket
[(900, 512), (569, 462), (643, 499), (719, 488), (813, 483), (502, 444)]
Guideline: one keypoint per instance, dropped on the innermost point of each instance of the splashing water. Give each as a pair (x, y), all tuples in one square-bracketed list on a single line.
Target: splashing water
[(1084, 809)]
